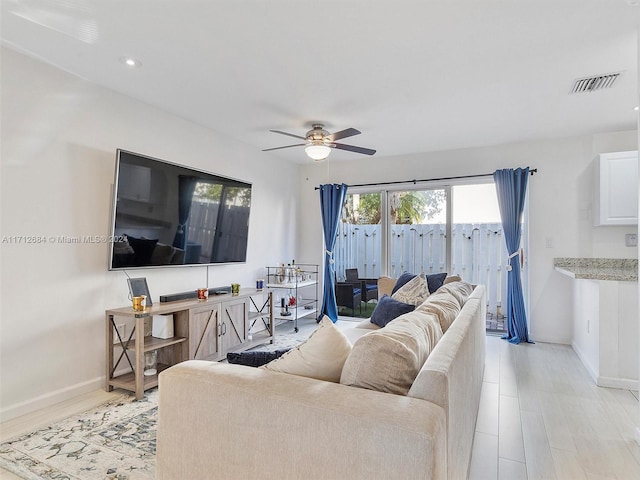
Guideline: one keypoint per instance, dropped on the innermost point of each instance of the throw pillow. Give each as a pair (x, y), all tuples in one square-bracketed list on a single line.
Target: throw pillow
[(452, 278), (435, 281), (389, 359), (414, 292), (254, 359), (389, 308), (321, 356), (385, 285), (404, 278)]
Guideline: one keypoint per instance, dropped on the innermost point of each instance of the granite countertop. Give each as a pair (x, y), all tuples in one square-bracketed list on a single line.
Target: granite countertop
[(615, 269)]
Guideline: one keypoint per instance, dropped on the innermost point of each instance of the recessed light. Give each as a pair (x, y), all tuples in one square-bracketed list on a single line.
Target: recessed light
[(131, 62), (636, 108)]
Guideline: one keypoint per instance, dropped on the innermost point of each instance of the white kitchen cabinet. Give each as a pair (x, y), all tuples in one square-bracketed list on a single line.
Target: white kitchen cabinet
[(616, 189)]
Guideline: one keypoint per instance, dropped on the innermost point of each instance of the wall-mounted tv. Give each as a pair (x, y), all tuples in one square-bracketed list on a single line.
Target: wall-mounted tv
[(165, 214)]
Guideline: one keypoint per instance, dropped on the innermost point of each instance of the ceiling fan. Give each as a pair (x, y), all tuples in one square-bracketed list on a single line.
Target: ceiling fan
[(319, 142)]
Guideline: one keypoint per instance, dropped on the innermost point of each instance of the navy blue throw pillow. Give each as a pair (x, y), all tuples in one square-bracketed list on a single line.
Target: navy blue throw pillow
[(404, 278), (389, 308), (254, 359), (435, 281)]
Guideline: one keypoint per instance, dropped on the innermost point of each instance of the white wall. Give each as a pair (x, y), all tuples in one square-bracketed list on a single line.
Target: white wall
[(560, 208), (59, 137)]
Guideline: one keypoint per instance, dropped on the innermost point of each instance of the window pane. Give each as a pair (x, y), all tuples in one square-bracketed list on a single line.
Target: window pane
[(359, 242), (417, 231)]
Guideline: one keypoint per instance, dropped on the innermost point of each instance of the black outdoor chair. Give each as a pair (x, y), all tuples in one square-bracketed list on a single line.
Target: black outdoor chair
[(349, 295), (369, 286)]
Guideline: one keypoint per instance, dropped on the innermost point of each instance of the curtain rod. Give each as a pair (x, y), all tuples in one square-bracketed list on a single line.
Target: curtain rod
[(532, 171)]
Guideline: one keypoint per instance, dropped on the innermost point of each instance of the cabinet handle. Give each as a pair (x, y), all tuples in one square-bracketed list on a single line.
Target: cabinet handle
[(224, 328)]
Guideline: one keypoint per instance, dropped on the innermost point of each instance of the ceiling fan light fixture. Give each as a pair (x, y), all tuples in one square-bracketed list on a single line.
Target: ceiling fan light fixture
[(317, 151)]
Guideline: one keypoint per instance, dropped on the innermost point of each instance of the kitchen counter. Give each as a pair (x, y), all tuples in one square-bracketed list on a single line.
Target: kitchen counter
[(614, 269), (605, 317)]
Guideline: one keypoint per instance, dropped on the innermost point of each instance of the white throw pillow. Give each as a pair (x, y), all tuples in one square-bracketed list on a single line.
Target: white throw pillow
[(321, 357), (414, 292)]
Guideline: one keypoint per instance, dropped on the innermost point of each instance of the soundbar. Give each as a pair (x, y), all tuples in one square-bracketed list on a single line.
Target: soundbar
[(174, 297)]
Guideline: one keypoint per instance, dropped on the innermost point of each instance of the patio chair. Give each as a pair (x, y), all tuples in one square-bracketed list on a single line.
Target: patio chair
[(369, 286), (349, 295)]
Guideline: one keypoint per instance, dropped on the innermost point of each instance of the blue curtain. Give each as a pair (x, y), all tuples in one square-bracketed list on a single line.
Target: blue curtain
[(511, 186), (186, 187), (331, 200)]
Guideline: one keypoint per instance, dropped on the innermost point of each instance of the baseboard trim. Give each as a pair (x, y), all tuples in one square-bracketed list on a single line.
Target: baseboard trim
[(592, 373), (608, 382), (614, 382), (43, 401)]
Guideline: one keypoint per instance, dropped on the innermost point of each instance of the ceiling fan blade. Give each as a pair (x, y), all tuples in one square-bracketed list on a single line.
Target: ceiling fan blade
[(286, 146), (351, 148), (348, 132), (289, 134)]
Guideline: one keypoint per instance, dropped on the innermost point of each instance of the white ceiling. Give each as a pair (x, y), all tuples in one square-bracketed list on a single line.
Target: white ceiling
[(413, 76)]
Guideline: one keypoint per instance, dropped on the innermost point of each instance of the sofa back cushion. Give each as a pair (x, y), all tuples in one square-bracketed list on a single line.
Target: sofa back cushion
[(389, 359), (444, 306), (460, 290)]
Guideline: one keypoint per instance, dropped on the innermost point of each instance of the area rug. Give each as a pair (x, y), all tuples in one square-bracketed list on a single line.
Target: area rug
[(115, 441)]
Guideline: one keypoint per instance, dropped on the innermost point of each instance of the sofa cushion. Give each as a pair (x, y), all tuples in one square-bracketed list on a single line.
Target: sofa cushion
[(321, 356), (444, 306), (460, 290), (388, 309), (389, 359), (414, 292)]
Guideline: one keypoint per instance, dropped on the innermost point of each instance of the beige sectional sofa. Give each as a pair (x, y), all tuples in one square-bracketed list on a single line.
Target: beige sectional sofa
[(228, 421)]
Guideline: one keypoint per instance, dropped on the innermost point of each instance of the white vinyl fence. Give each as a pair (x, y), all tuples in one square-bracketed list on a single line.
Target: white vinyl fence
[(479, 254)]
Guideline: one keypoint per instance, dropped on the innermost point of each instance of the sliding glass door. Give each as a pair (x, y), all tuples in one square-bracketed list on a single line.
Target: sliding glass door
[(427, 229), (479, 251)]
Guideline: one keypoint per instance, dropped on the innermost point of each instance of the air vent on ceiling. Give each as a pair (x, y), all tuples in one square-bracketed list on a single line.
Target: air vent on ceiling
[(596, 82)]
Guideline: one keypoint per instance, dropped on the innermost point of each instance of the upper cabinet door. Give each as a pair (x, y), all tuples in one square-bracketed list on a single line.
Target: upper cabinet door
[(616, 189)]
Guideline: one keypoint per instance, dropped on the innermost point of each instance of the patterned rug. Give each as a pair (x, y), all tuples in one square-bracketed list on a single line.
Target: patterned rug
[(116, 440)]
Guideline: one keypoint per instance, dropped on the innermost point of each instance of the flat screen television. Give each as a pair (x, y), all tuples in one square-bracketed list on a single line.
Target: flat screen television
[(166, 214)]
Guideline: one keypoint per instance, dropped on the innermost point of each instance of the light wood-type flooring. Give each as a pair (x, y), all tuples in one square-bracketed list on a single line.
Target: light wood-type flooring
[(540, 417)]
